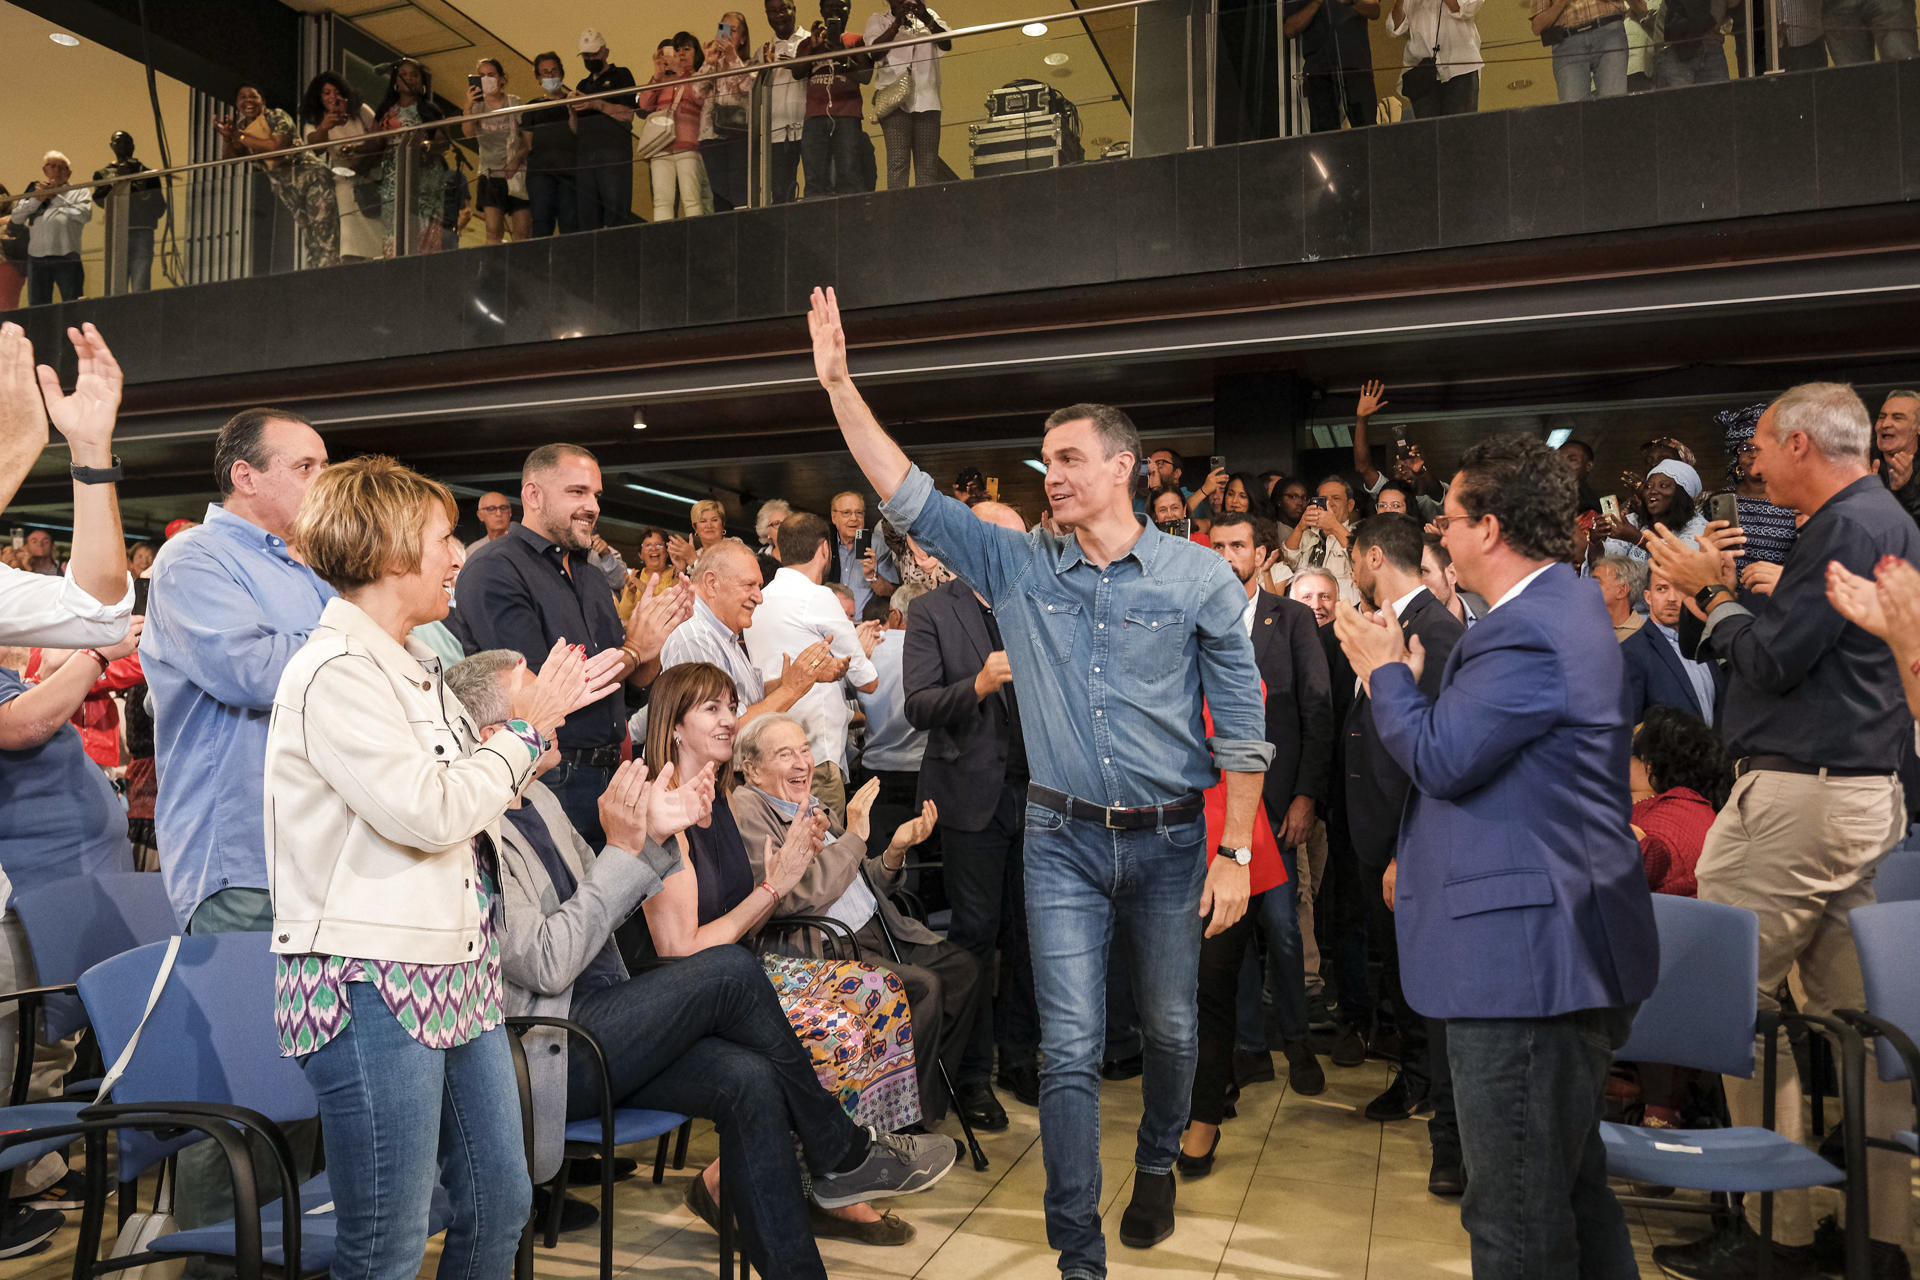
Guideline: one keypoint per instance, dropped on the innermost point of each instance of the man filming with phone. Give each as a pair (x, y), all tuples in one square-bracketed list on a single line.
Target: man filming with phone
[(1324, 536), (859, 562)]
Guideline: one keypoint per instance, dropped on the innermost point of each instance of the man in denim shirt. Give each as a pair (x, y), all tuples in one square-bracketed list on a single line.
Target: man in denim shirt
[(1113, 635)]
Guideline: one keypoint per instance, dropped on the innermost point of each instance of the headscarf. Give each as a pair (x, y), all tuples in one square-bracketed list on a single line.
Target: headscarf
[(1681, 474)]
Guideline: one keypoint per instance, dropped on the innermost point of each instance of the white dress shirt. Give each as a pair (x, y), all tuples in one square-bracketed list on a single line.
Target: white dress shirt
[(1520, 586), (55, 613), (1459, 50), (1698, 673), (795, 612)]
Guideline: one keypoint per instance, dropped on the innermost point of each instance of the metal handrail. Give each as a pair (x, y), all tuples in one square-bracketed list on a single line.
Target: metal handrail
[(546, 104)]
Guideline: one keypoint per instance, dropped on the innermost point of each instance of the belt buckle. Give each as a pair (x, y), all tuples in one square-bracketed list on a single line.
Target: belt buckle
[(1106, 815)]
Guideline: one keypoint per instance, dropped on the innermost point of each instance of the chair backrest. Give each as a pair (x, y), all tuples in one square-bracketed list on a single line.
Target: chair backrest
[(1898, 878), (1701, 1012), (210, 1038), (1887, 937), (75, 923)]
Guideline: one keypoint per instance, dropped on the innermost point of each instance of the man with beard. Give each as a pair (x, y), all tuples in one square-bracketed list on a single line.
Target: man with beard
[(534, 587)]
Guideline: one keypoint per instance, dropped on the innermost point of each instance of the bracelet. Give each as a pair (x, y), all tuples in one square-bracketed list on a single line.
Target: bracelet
[(98, 657), (768, 886), (633, 657)]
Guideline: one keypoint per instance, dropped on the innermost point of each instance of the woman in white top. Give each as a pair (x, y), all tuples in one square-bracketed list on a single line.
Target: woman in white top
[(501, 194), (723, 125), (332, 112), (1666, 497), (1442, 55), (912, 129)]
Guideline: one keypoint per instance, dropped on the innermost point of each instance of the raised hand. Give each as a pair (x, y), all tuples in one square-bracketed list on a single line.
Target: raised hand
[(558, 690), (86, 416), (672, 809), (23, 419), (624, 806), (655, 618), (603, 671), (810, 666), (860, 808), (1373, 398), (869, 634), (915, 829), (829, 339), (680, 551)]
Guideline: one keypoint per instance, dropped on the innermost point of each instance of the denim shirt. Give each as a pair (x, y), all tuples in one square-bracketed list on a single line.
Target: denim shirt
[(1109, 665), (228, 607)]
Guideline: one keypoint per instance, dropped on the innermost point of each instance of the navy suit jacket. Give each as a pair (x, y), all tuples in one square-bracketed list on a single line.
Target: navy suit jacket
[(969, 737), (1376, 784), (1655, 677), (1293, 667), (1521, 892)]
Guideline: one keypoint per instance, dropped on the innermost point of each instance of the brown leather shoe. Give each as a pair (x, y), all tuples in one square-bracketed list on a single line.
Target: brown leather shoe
[(892, 1229)]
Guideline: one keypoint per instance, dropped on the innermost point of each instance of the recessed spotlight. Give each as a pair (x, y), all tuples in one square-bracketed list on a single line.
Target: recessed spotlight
[(62, 38), (639, 420), (1055, 59), (1034, 29), (1517, 85)]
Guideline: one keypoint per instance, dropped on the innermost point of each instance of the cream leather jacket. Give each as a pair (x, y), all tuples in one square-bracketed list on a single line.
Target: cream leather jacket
[(376, 784)]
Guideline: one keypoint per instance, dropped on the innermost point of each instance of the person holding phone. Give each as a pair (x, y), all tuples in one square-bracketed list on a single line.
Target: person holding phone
[(1667, 497), (912, 127), (830, 143), (332, 112), (723, 129), (502, 194), (679, 169), (863, 567)]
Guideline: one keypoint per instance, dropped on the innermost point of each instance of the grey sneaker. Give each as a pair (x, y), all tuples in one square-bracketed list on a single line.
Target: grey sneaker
[(897, 1164)]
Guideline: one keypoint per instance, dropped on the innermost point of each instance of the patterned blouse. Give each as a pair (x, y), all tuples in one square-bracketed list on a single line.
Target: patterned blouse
[(443, 1006)]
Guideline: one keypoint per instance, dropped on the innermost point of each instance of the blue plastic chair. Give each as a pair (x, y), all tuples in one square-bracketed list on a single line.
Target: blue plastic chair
[(1898, 879), (72, 925), (1702, 1015), (209, 1048), (1887, 937)]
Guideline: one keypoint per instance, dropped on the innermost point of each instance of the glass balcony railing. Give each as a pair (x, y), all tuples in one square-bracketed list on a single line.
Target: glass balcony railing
[(274, 188)]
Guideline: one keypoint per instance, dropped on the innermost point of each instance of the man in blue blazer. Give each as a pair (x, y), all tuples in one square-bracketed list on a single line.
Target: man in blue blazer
[(1657, 675), (1520, 904)]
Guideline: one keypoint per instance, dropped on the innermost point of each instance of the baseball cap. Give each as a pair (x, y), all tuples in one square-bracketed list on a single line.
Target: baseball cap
[(591, 41)]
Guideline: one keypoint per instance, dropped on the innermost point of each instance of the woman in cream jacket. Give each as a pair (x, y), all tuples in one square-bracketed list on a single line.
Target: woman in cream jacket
[(383, 807)]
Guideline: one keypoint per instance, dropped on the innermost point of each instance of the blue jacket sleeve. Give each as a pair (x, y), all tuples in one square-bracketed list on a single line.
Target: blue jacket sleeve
[(1498, 701), (206, 625)]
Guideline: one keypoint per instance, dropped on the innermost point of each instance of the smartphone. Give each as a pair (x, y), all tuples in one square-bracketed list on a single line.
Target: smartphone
[(140, 586), (1724, 506), (1317, 501), (19, 538), (1178, 528), (1610, 506), (993, 488), (473, 82), (726, 31), (1142, 486), (1218, 462), (862, 541)]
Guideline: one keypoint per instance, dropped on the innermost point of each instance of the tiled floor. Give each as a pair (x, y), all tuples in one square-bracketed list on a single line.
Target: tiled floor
[(1303, 1189)]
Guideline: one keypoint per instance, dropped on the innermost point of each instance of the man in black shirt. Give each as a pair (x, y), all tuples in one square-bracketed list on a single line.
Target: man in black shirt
[(1818, 723), (142, 208), (603, 186), (1896, 439), (1337, 59), (534, 586)]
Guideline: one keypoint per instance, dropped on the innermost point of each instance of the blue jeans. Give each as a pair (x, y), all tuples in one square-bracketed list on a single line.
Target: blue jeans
[(1530, 1093), (603, 191), (829, 148), (705, 1036), (44, 275), (1592, 64), (1683, 62), (1272, 999), (552, 198), (397, 1118), (1082, 882)]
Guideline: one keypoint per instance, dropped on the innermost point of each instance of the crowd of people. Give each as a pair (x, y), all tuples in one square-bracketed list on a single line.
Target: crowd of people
[(1168, 746)]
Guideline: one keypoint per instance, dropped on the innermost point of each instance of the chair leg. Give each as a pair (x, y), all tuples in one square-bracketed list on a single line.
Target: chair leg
[(726, 1228), (556, 1201), (1765, 1270), (606, 1203), (86, 1248), (660, 1161), (680, 1145)]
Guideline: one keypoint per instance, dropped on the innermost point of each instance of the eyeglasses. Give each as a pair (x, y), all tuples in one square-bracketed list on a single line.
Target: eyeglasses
[(497, 507), (1442, 523)]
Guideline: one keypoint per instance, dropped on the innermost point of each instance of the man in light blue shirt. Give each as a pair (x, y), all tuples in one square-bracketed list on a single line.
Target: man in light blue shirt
[(1113, 634)]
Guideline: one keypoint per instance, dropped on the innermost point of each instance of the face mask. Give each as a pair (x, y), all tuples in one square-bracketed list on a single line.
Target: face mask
[(596, 65), (553, 84), (489, 84)]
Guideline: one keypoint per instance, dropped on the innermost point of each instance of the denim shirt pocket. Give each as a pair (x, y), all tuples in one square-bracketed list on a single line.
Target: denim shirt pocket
[(1056, 623), (1152, 640)]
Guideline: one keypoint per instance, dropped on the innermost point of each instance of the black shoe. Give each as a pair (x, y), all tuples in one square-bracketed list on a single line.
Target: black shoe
[(1385, 1045), (1349, 1048), (982, 1110), (64, 1194), (1197, 1166), (24, 1231), (1887, 1261), (1251, 1067), (585, 1172), (1022, 1080), (575, 1214), (1732, 1253), (1448, 1177), (1122, 1068), (1149, 1218), (1320, 1016), (1304, 1075), (1398, 1102)]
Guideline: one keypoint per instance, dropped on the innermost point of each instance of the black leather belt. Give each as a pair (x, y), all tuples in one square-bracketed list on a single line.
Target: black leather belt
[(1596, 24), (1787, 764), (599, 757), (1185, 809)]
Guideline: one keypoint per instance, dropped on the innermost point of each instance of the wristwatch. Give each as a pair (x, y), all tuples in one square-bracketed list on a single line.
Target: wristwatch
[(1241, 856), (1705, 597), (97, 475)]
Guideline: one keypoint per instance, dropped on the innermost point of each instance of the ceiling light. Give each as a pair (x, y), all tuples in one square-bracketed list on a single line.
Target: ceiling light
[(1034, 29), (1517, 85), (1036, 464), (639, 420), (62, 38), (1559, 437), (1055, 59), (662, 493)]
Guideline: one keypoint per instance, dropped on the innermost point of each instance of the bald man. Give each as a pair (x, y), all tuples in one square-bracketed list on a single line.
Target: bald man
[(496, 513), (959, 688)]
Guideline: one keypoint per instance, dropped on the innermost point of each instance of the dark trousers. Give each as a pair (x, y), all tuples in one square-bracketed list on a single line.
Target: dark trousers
[(943, 985), (554, 205), (986, 887), (1272, 999), (1331, 94), (726, 160), (830, 150), (705, 1036), (603, 191), (1459, 96), (1423, 1041), (44, 275), (578, 788), (1531, 1092), (783, 176), (1221, 959), (139, 259), (1341, 915)]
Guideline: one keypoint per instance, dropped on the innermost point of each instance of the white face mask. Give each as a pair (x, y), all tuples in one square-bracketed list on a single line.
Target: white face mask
[(489, 84), (553, 84)]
